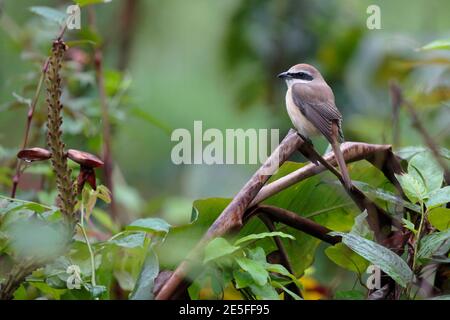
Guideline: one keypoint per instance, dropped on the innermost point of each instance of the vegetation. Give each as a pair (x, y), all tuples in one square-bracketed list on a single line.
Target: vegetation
[(71, 227)]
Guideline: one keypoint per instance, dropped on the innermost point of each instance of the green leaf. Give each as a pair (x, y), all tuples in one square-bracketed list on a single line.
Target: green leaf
[(349, 295), (409, 225), (439, 218), (432, 243), (386, 196), (50, 14), (438, 197), (243, 279), (149, 225), (289, 292), (263, 235), (414, 189), (423, 167), (380, 256), (146, 280), (346, 258), (437, 45), (218, 248), (264, 292), (255, 269), (361, 226), (132, 240)]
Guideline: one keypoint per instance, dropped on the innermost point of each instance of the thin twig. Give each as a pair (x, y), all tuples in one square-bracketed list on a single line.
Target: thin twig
[(30, 114)]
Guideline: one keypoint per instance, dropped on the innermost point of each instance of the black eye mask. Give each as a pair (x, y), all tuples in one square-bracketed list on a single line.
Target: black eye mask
[(301, 75)]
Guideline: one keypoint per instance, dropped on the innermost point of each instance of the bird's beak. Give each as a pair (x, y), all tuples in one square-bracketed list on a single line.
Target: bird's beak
[(284, 75)]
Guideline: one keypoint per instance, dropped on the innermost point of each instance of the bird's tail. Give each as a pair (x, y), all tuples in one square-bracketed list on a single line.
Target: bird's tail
[(336, 137), (341, 163)]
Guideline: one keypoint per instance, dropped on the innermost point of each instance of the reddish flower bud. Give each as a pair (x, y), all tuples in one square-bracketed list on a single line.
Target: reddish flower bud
[(86, 175), (34, 154), (84, 159)]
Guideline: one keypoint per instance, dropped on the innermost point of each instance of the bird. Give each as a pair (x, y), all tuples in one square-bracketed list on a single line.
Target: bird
[(312, 109)]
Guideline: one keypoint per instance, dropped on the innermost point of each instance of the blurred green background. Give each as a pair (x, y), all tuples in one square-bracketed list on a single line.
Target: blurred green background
[(171, 62)]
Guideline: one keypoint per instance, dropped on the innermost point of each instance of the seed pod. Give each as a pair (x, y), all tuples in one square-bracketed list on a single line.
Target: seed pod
[(87, 164), (34, 154), (84, 159)]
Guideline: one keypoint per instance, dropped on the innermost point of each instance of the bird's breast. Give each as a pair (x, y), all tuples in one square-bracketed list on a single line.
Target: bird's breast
[(303, 125)]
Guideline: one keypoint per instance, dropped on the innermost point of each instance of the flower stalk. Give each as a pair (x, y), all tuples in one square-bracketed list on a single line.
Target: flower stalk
[(66, 191)]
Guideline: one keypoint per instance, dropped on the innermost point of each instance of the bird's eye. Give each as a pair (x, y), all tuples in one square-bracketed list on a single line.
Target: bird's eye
[(302, 76)]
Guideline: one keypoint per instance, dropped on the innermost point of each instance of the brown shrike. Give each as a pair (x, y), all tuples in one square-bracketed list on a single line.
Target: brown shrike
[(310, 105)]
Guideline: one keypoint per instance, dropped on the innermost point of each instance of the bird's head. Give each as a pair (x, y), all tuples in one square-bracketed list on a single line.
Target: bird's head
[(300, 73)]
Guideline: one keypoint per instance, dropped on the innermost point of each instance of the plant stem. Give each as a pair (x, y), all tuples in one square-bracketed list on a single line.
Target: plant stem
[(91, 253), (30, 114), (419, 232)]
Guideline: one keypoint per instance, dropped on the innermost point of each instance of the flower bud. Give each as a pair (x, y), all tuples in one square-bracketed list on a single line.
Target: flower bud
[(34, 154)]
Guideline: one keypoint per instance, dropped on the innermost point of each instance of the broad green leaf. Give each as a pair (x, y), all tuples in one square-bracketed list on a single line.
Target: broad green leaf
[(380, 256), (218, 248), (423, 167), (263, 235), (242, 279), (146, 280), (432, 243), (130, 240), (386, 196), (255, 269), (346, 258), (50, 14), (414, 189), (440, 218), (437, 45), (438, 197), (264, 292), (149, 225)]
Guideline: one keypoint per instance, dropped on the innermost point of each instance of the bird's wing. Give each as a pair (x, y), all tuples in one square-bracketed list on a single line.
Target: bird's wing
[(320, 111)]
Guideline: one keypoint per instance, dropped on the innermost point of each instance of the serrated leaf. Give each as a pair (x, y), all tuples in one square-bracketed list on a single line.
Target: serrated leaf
[(218, 248), (438, 197), (50, 14), (432, 243), (255, 269), (263, 235), (149, 225), (380, 256), (439, 218)]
